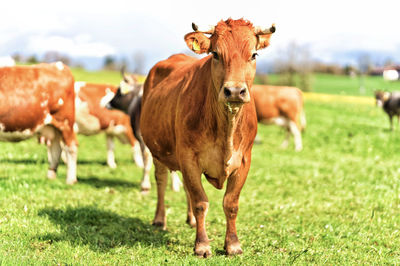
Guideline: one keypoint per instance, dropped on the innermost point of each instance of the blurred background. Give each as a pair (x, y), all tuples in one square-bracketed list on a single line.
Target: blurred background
[(314, 39)]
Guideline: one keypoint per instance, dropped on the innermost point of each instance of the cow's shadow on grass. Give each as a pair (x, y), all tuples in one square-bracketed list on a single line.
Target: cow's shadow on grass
[(99, 183), (101, 230)]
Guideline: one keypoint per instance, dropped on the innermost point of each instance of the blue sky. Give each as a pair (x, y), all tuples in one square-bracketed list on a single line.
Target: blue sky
[(332, 30)]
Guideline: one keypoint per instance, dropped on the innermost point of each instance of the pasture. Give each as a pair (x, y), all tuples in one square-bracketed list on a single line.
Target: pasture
[(336, 202)]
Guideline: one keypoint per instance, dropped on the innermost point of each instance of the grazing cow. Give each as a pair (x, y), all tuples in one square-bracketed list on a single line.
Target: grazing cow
[(198, 117), (40, 100), (390, 102), (128, 98), (92, 117), (282, 106)]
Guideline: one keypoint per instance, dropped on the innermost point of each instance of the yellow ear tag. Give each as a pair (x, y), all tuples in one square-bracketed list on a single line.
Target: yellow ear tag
[(195, 45), (125, 88)]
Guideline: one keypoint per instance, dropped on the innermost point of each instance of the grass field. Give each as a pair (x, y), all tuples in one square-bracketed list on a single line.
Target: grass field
[(336, 202), (345, 85)]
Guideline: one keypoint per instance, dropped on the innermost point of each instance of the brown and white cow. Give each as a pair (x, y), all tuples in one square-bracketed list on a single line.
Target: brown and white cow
[(128, 98), (282, 106), (92, 117), (198, 117), (40, 99)]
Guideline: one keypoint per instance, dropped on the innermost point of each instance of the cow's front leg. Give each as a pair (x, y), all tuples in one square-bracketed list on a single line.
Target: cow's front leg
[(192, 180), (231, 208), (53, 151)]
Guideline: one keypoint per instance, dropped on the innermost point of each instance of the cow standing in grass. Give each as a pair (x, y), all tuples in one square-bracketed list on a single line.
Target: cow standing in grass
[(92, 117), (40, 100), (128, 98), (390, 102), (198, 117), (282, 106)]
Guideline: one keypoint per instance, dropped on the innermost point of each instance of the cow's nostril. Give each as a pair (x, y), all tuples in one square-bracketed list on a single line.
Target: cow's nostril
[(243, 92), (227, 92)]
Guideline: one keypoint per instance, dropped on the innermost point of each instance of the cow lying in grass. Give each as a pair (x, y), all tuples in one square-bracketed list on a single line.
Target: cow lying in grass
[(390, 102), (282, 106)]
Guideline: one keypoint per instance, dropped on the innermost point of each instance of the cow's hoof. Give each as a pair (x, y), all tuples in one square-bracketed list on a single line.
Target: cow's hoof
[(51, 174), (233, 249), (112, 165), (145, 188), (145, 191), (71, 181), (191, 221), (159, 224), (202, 250)]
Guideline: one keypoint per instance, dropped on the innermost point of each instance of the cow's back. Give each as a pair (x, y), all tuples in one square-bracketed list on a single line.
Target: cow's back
[(92, 96), (274, 101)]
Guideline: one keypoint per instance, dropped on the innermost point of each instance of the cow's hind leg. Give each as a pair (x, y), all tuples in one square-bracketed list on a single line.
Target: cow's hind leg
[(71, 154), (190, 219), (53, 140), (110, 152), (161, 174), (147, 162), (297, 136), (175, 181), (137, 155), (285, 142)]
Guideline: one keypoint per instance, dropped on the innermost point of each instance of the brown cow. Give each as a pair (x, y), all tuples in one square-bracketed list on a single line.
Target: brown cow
[(198, 117), (282, 106), (40, 100), (92, 117)]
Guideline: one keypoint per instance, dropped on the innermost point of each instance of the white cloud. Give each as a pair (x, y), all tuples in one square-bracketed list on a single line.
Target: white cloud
[(80, 45), (97, 28)]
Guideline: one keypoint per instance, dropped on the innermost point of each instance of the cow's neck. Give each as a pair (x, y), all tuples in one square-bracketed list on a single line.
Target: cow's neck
[(226, 118)]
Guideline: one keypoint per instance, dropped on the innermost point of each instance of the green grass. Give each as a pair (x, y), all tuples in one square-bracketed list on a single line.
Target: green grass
[(344, 85), (336, 202), (103, 76)]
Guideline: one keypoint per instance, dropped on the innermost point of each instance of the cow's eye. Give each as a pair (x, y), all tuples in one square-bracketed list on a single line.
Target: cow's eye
[(253, 57), (215, 55)]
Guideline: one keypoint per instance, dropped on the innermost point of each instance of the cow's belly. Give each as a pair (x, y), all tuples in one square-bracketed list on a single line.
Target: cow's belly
[(25, 132), (86, 124), (279, 120), (15, 136)]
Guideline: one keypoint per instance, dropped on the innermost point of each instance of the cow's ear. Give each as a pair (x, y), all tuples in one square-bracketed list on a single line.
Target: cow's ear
[(197, 42), (263, 40)]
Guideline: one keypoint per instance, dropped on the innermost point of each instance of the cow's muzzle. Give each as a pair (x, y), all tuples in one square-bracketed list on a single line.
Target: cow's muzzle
[(236, 95)]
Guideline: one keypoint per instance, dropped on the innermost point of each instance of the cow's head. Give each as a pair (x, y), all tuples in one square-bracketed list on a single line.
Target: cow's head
[(233, 45), (128, 89), (381, 97)]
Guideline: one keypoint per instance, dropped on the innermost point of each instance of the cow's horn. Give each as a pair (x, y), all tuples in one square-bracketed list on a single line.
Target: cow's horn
[(259, 30), (195, 27), (123, 73), (210, 30)]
